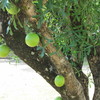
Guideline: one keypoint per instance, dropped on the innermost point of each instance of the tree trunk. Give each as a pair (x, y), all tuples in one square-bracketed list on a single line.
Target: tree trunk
[(30, 56), (94, 62)]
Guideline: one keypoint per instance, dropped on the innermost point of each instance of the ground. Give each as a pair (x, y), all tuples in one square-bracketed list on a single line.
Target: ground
[(20, 82)]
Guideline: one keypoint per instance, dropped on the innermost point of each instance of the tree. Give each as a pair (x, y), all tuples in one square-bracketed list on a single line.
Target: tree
[(68, 31)]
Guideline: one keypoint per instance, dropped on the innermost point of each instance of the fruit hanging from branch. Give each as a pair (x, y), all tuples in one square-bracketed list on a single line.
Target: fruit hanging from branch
[(12, 8), (32, 39), (59, 80), (4, 50)]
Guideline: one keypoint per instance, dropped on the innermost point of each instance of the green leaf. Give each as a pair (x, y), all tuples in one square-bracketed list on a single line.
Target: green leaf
[(42, 51), (8, 29), (35, 2), (11, 32), (36, 16), (39, 48), (40, 23), (20, 24), (15, 25), (3, 3), (40, 3), (16, 1), (53, 53)]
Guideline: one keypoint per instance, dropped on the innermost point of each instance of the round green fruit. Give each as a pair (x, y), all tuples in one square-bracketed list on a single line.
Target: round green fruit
[(4, 50), (58, 98), (32, 39), (59, 80), (12, 9)]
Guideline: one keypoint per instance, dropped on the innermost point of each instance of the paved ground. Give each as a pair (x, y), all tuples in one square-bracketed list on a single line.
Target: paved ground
[(20, 82)]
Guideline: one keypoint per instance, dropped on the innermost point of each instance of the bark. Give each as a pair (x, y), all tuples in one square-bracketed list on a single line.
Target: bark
[(72, 86), (94, 62)]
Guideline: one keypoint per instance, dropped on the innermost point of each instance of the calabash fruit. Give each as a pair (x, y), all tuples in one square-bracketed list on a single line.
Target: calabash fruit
[(58, 98), (32, 39), (59, 80), (4, 50), (12, 8)]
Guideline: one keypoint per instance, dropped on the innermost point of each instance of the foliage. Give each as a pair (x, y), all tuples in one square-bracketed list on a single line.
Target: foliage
[(75, 25)]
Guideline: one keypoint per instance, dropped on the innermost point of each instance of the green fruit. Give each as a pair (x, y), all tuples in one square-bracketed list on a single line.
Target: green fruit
[(32, 39), (12, 9), (58, 98), (4, 50), (59, 81)]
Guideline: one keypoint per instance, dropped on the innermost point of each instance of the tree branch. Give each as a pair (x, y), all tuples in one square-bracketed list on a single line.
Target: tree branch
[(29, 55), (72, 86)]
